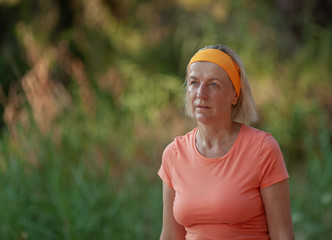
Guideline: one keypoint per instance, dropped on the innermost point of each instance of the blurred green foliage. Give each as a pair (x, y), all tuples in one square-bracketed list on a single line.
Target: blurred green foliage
[(92, 91)]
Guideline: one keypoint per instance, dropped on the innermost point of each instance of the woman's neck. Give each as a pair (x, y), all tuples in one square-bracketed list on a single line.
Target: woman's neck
[(216, 140)]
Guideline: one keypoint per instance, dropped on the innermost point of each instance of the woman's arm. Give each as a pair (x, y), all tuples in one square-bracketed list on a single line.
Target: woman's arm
[(172, 230), (278, 212)]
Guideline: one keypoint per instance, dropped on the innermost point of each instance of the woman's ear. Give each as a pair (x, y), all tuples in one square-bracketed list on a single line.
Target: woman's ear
[(235, 99)]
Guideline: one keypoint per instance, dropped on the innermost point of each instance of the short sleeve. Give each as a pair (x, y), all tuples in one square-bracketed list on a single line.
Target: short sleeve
[(166, 165), (273, 168)]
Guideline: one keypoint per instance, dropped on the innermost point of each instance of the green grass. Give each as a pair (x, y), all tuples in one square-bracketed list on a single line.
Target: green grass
[(59, 192)]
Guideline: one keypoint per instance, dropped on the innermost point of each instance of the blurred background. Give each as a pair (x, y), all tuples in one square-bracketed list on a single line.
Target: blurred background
[(92, 91)]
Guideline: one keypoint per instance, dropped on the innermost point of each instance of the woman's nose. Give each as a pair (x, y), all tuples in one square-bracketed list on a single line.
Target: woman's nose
[(202, 91)]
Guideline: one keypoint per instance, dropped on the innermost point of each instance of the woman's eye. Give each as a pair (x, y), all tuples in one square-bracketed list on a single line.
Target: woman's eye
[(193, 83)]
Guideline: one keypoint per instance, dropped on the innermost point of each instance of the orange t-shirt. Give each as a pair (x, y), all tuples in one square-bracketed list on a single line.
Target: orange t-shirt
[(219, 198)]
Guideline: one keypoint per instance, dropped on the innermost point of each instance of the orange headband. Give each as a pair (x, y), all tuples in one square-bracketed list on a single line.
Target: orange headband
[(224, 61)]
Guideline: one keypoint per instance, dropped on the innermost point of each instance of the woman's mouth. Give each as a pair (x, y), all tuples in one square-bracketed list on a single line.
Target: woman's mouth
[(202, 107)]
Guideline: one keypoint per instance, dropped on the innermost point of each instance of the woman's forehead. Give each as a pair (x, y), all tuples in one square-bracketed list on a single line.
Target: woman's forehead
[(197, 69)]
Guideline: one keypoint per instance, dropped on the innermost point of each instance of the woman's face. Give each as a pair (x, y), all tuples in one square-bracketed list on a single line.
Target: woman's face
[(210, 93)]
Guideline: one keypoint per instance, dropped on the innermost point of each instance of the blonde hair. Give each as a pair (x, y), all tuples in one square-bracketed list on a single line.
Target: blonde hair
[(245, 110)]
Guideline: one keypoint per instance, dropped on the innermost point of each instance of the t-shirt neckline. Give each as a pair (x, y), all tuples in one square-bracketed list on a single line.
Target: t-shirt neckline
[(238, 137)]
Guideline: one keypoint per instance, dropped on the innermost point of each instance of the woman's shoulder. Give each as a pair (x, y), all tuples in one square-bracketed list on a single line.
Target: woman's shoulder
[(255, 135), (181, 141), (186, 137), (254, 132)]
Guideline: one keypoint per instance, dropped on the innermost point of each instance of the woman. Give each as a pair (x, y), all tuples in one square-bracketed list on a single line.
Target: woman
[(223, 180)]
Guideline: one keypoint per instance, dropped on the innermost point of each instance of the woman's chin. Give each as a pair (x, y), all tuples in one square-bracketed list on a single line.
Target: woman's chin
[(203, 118)]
